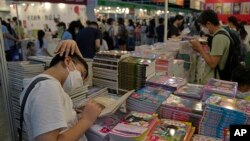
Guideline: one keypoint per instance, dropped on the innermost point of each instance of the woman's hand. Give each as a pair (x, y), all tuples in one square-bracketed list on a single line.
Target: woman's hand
[(67, 47)]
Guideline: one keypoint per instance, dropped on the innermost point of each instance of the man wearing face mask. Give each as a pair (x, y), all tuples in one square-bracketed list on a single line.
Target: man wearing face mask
[(220, 44), (48, 112), (174, 28)]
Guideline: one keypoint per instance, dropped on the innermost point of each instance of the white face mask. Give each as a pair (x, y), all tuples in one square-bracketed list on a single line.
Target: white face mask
[(205, 30), (73, 81)]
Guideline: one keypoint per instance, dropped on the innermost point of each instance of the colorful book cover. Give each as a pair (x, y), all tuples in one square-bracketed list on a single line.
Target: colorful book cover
[(190, 90), (218, 8), (171, 130), (204, 138), (184, 104), (135, 125), (227, 8), (245, 8), (221, 87), (209, 6), (236, 8)]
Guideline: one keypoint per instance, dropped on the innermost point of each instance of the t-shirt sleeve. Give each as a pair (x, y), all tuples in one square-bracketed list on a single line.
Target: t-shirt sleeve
[(4, 29), (66, 36), (46, 108), (98, 35), (219, 44)]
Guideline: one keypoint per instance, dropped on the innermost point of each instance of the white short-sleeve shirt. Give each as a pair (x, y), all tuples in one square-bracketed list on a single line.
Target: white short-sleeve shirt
[(48, 108)]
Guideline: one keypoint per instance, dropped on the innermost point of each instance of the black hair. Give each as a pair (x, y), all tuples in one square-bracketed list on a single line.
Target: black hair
[(109, 21), (131, 23), (120, 21), (62, 24), (209, 16), (242, 30), (94, 23), (88, 22), (29, 44), (75, 58), (234, 21), (14, 19), (152, 23), (72, 26), (161, 20), (79, 24), (178, 17), (40, 36), (241, 74)]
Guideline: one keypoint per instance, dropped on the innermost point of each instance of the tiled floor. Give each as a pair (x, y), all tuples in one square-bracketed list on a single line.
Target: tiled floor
[(4, 132)]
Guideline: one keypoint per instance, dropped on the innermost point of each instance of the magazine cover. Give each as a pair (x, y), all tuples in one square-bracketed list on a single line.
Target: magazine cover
[(171, 130), (227, 8), (236, 8), (218, 8), (245, 8), (209, 6)]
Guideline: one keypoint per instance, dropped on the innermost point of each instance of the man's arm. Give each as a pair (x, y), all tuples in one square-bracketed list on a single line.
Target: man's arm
[(97, 44), (211, 60), (9, 36)]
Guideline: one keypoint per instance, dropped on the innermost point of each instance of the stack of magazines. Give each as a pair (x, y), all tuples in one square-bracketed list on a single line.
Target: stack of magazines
[(216, 86), (192, 91), (79, 94), (105, 69), (220, 113), (134, 71), (147, 99), (17, 73), (182, 109), (167, 82)]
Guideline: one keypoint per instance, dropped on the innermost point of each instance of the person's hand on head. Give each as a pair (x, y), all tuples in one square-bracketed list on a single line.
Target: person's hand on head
[(92, 110), (67, 47), (196, 45)]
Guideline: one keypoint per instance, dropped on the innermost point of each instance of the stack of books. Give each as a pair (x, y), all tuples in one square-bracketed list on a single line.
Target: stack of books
[(79, 94), (105, 69), (136, 126), (166, 82), (198, 137), (134, 71), (41, 59), (192, 91), (220, 113), (172, 130), (100, 130), (182, 109), (17, 73), (147, 99), (216, 86)]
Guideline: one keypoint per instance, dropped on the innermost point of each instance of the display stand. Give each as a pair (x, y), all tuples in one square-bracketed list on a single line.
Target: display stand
[(5, 89), (166, 21)]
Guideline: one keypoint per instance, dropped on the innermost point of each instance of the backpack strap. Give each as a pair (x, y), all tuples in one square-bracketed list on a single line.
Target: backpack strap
[(25, 97), (217, 68)]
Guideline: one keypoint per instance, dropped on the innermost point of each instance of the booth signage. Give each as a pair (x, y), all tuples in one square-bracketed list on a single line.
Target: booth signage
[(84, 2)]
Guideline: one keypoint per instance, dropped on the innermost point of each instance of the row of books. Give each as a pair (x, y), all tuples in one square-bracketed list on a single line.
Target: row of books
[(19, 74), (139, 126), (134, 71), (105, 69), (221, 112)]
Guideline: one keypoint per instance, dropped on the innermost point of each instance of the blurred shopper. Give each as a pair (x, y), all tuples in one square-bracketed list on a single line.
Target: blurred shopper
[(41, 44), (31, 50), (143, 32), (138, 33), (217, 64), (18, 27), (71, 32), (109, 34), (245, 45), (88, 40), (122, 34), (241, 75), (160, 30), (233, 23), (131, 35), (46, 28), (7, 37), (150, 32), (174, 28)]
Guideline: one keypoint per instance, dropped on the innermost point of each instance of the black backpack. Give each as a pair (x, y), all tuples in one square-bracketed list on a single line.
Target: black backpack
[(108, 39), (233, 58)]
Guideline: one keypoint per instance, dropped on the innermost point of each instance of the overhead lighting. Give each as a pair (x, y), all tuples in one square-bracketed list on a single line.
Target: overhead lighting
[(141, 10), (32, 4), (11, 6), (47, 5), (24, 4), (61, 5)]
